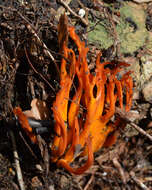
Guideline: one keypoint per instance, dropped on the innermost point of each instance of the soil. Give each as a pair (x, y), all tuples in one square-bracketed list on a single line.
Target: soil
[(29, 71)]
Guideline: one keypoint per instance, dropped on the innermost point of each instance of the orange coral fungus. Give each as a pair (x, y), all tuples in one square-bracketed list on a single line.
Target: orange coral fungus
[(93, 90), (84, 105), (24, 123)]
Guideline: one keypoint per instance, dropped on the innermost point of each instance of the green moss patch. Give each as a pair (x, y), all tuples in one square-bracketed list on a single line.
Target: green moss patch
[(132, 36)]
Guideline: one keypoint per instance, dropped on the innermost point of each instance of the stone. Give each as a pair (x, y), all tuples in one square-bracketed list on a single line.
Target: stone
[(147, 92)]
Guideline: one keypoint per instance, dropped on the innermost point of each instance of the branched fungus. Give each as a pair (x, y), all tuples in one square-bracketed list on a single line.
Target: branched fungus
[(82, 124), (93, 92)]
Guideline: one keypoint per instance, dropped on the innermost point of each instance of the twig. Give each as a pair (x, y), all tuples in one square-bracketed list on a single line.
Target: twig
[(73, 13), (21, 2), (142, 1), (93, 27), (89, 182), (17, 164), (138, 182), (61, 10), (114, 34), (44, 152), (141, 130), (125, 116), (27, 145), (37, 71), (32, 30), (118, 166)]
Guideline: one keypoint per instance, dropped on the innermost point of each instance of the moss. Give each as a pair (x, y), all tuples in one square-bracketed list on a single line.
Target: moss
[(130, 37), (99, 36)]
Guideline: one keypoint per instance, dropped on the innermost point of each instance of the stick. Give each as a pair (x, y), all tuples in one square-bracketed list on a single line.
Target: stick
[(32, 30), (89, 182), (73, 13), (125, 116), (138, 182), (40, 41), (17, 163), (118, 166), (37, 71), (142, 1)]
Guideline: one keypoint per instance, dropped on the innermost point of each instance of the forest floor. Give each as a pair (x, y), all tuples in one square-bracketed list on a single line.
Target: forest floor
[(31, 26)]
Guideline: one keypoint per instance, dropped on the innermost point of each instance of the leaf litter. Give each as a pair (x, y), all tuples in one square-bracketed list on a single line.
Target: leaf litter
[(125, 165)]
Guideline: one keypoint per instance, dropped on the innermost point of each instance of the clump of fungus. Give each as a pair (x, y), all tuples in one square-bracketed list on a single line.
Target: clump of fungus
[(81, 132)]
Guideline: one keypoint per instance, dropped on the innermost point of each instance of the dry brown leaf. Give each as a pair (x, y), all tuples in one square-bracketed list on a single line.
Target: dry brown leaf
[(38, 110)]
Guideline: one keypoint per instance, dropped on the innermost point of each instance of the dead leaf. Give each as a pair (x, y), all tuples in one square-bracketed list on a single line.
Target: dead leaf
[(38, 110)]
